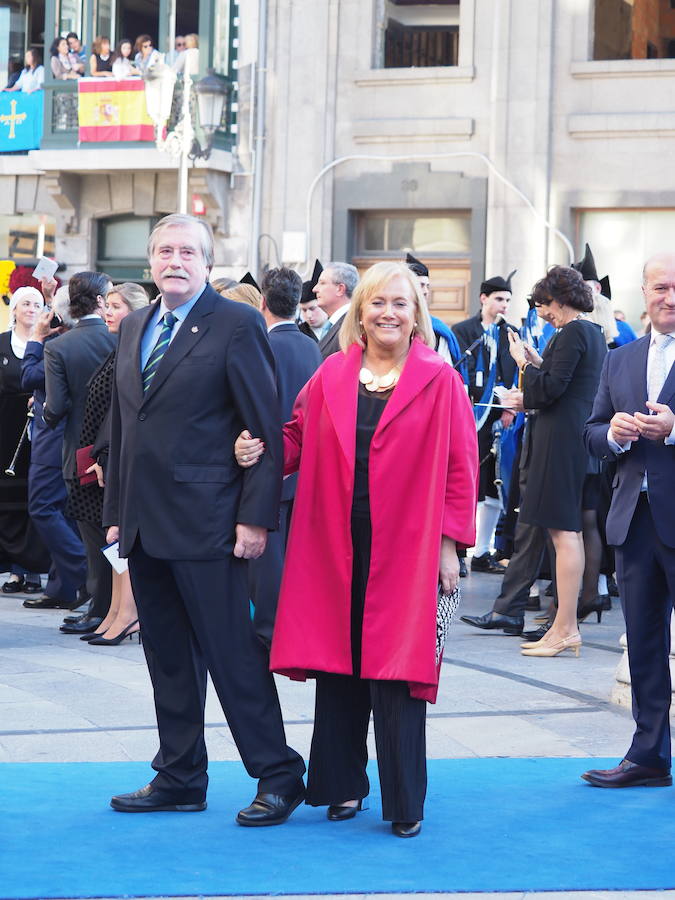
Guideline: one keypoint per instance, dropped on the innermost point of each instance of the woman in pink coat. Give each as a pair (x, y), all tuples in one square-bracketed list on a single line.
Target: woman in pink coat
[(384, 440)]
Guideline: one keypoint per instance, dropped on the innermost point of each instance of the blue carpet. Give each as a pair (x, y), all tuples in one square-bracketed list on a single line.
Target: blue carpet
[(492, 825)]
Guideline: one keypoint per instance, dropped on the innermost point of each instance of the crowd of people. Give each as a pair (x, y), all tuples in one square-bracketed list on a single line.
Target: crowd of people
[(335, 406), (69, 60)]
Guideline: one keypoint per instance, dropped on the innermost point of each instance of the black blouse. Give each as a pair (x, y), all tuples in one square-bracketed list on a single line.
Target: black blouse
[(370, 408)]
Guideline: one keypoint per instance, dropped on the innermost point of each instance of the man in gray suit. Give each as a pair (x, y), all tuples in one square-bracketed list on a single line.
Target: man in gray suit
[(334, 291)]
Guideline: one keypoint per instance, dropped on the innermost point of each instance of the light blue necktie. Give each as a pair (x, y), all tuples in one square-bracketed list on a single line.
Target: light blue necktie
[(159, 350)]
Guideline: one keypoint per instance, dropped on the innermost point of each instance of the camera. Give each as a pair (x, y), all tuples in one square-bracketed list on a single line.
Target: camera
[(56, 321)]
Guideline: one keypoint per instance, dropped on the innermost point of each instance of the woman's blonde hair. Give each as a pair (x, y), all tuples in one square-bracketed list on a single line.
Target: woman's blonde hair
[(135, 296), (244, 293), (375, 279)]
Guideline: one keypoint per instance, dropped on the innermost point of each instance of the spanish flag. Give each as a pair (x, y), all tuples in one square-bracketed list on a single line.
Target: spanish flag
[(113, 111)]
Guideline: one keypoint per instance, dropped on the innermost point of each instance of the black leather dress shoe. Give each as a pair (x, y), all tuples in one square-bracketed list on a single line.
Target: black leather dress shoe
[(486, 563), (13, 586), (462, 568), (86, 624), (269, 809), (406, 829), (628, 774), (538, 633), (494, 620), (46, 602), (150, 799), (338, 813)]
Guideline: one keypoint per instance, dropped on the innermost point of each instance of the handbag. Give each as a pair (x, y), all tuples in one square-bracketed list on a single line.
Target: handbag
[(83, 461), (446, 608)]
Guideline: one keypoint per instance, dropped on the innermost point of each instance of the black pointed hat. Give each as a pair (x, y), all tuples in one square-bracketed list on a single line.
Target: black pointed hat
[(586, 266), (249, 279), (605, 288), (497, 284), (308, 286), (416, 265)]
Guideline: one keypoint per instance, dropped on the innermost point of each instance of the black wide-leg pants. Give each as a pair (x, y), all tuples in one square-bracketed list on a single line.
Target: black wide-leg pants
[(338, 756), (195, 617)]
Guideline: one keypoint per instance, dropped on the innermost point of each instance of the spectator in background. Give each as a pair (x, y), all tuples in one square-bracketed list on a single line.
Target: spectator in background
[(244, 293), (334, 291), (122, 66), (77, 51), (223, 284), (32, 77), (61, 62), (314, 319), (100, 61), (191, 43), (626, 333), (70, 361), (178, 48), (146, 55), (15, 69)]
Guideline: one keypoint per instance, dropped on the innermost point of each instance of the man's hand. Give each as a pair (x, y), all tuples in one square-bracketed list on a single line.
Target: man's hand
[(251, 541), (658, 426), (624, 428), (507, 418), (448, 573), (42, 329), (112, 534)]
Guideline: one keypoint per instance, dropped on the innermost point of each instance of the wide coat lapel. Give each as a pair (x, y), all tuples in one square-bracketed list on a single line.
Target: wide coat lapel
[(422, 366), (189, 334), (340, 378)]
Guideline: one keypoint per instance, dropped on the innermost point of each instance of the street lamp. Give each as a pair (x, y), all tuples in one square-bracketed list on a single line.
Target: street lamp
[(211, 97)]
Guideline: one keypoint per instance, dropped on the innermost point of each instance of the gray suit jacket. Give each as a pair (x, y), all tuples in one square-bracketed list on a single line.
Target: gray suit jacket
[(70, 361), (330, 342)]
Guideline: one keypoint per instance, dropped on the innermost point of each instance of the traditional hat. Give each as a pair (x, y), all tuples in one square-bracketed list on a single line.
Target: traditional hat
[(497, 283), (586, 266), (416, 265), (308, 286), (249, 279), (605, 288)]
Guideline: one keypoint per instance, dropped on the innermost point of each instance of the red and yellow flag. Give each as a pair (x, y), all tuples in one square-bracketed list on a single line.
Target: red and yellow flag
[(113, 111)]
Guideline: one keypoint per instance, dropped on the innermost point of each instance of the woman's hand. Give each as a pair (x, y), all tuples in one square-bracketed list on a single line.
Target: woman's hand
[(99, 474), (532, 356), (248, 450), (514, 400), (517, 349), (448, 573)]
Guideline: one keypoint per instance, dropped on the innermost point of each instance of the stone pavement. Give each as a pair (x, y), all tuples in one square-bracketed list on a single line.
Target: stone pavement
[(62, 700)]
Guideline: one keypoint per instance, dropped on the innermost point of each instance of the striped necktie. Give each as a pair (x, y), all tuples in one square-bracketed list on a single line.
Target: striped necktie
[(657, 370), (159, 350)]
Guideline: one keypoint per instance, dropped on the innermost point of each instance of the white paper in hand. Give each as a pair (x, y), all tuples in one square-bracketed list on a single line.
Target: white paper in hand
[(46, 268), (112, 554)]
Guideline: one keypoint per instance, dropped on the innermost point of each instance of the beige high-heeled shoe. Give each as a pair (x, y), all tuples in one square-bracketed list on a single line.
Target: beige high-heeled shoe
[(571, 642)]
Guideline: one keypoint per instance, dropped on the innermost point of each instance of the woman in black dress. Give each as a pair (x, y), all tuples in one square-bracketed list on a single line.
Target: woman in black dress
[(85, 502), (561, 387), (21, 550)]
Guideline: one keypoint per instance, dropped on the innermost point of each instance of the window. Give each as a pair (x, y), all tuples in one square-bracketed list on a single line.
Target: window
[(621, 241), (419, 34), (121, 247), (633, 29), (393, 233), (20, 236)]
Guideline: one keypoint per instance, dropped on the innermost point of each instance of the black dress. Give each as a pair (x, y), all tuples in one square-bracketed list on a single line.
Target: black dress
[(562, 391), (19, 542), (85, 502)]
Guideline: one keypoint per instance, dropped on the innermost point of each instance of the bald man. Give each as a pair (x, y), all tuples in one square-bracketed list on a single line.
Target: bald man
[(633, 421)]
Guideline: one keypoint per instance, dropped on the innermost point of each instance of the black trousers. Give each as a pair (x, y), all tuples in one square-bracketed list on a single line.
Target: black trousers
[(99, 572), (338, 756), (264, 577), (646, 577), (195, 617)]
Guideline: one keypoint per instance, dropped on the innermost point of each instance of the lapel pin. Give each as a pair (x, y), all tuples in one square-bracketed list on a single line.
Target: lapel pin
[(194, 329)]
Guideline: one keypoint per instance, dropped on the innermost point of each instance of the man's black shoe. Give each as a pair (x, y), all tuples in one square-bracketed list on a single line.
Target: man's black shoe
[(46, 602), (150, 799), (85, 624), (486, 563), (462, 568), (493, 620), (538, 633), (612, 586), (269, 809), (628, 774)]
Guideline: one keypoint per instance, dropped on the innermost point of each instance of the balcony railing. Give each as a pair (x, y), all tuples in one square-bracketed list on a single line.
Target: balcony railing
[(418, 46)]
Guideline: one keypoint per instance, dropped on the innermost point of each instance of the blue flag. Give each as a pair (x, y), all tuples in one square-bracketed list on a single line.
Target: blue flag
[(20, 120)]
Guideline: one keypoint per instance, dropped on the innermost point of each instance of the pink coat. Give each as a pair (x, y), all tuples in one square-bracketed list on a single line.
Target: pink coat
[(422, 481)]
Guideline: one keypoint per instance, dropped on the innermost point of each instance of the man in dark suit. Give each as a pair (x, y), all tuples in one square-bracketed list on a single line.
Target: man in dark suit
[(191, 372), (297, 357), (633, 421), (46, 488), (70, 361), (334, 291), (489, 364)]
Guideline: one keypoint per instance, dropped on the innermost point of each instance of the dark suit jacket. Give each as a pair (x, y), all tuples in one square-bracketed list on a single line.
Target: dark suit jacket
[(70, 361), (623, 388), (45, 443), (330, 342), (172, 477), (297, 358), (466, 333)]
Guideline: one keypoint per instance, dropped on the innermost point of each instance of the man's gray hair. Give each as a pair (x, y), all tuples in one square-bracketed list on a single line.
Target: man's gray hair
[(344, 273), (179, 219), (61, 306)]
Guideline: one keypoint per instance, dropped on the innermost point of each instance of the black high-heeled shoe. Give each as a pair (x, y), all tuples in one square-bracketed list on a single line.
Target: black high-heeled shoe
[(597, 607), (113, 642), (90, 635), (339, 813)]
